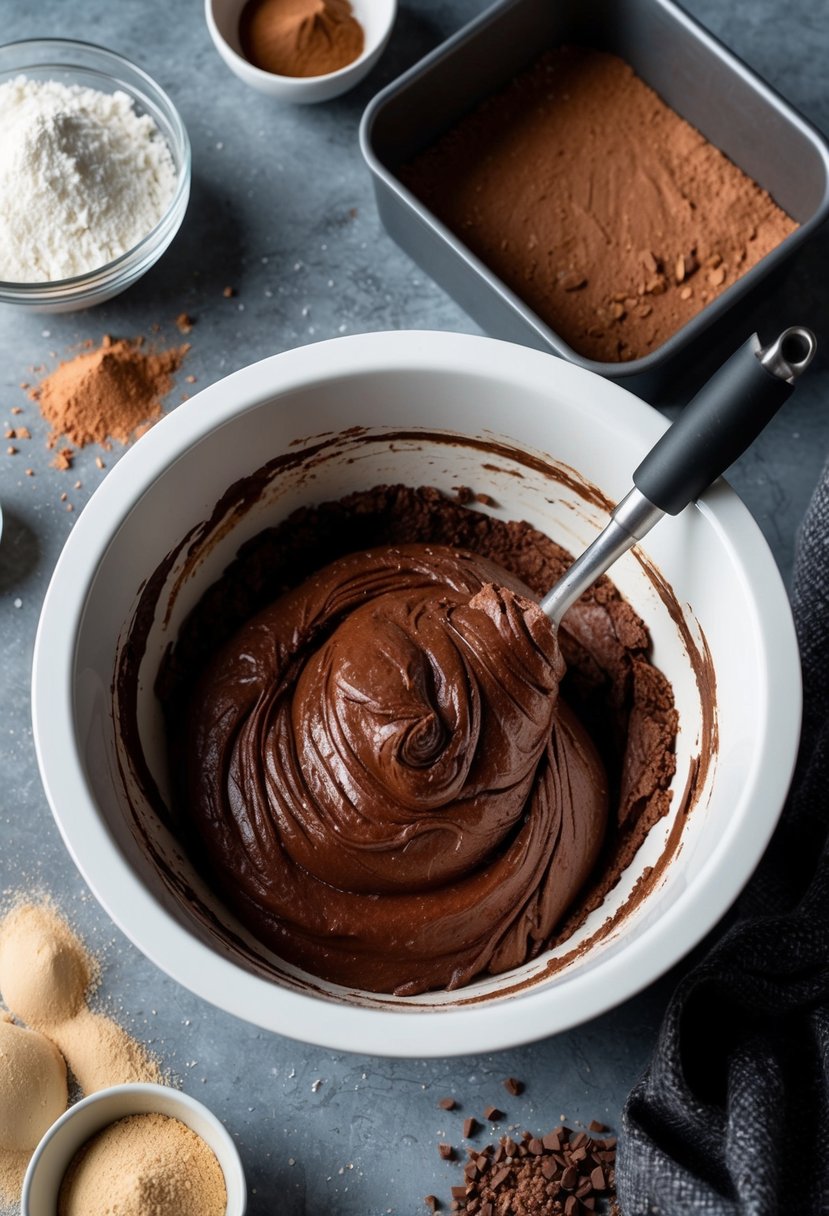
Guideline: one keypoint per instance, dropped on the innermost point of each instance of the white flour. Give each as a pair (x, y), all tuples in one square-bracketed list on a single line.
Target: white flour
[(82, 179)]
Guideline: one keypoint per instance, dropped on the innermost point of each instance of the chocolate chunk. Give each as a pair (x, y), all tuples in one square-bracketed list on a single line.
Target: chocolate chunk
[(432, 1203), (499, 1177), (446, 1151), (563, 1172), (447, 1104), (570, 1178), (470, 1128), (515, 1087), (596, 1126), (493, 1114), (597, 1179)]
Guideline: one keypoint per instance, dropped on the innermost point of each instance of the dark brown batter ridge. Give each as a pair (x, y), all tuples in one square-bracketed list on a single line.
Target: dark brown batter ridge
[(608, 214), (380, 775)]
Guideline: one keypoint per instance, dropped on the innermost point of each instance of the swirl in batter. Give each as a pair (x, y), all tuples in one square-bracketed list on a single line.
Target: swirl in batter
[(387, 785)]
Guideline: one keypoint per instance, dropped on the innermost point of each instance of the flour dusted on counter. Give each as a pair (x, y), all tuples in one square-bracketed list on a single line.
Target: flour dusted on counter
[(83, 178)]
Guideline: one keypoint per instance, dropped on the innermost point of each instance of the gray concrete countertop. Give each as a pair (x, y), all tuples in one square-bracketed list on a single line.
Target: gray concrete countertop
[(282, 211)]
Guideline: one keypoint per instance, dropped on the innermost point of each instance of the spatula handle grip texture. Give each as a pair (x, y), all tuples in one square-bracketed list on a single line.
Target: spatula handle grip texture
[(716, 427)]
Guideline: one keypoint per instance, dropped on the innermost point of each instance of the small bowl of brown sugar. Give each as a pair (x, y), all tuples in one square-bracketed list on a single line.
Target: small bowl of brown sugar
[(302, 51), (138, 1148)]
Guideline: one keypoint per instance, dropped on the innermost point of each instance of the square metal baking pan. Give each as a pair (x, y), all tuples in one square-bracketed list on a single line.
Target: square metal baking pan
[(690, 69)]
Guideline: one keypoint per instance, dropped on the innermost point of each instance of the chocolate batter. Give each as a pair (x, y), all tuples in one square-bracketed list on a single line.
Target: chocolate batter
[(382, 775)]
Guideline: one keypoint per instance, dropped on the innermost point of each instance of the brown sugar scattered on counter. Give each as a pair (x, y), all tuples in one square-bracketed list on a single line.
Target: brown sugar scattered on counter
[(300, 37), (608, 214), (46, 976), (108, 392)]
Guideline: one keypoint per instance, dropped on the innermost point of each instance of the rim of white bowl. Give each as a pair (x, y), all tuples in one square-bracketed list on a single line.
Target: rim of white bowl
[(485, 1025), (138, 1098)]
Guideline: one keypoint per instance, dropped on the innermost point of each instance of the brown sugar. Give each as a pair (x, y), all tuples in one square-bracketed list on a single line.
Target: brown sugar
[(107, 393), (45, 976), (144, 1165), (608, 214)]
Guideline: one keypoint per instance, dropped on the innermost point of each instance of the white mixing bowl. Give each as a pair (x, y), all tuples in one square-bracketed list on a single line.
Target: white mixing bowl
[(426, 401)]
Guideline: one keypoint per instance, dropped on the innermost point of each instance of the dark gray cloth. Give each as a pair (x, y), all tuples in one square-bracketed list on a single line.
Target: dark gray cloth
[(732, 1116)]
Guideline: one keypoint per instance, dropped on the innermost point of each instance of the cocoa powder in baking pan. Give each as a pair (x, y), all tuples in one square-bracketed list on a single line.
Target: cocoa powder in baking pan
[(609, 215)]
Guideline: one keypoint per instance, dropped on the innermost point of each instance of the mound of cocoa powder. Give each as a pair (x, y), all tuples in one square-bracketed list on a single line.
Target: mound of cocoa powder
[(608, 214), (113, 391)]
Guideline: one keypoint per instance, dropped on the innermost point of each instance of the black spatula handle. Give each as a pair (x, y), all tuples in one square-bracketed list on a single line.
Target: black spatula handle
[(722, 420)]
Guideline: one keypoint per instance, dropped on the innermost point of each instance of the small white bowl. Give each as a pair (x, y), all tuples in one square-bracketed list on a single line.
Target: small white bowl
[(375, 16), (86, 1118), (94, 67)]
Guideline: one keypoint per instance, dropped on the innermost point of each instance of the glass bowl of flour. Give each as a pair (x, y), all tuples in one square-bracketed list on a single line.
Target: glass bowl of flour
[(94, 174)]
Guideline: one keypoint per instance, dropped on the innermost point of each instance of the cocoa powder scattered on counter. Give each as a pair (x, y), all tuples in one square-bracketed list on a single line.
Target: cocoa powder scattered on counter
[(597, 204), (107, 393)]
